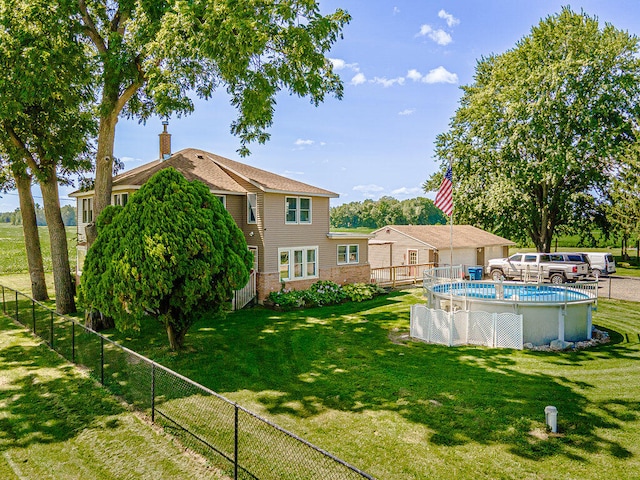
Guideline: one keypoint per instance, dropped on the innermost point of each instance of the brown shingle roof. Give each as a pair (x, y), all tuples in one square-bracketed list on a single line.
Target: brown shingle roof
[(219, 174), (439, 236)]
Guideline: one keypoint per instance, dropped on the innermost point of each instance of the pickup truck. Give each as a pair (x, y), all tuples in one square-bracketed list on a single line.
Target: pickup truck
[(537, 266)]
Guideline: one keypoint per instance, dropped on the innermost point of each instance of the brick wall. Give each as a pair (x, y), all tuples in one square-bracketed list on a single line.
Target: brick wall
[(270, 282)]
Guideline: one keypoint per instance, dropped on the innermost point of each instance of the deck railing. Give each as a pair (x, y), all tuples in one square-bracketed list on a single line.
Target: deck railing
[(399, 274)]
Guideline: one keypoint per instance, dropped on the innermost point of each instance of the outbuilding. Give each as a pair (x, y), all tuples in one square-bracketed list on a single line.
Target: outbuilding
[(400, 245)]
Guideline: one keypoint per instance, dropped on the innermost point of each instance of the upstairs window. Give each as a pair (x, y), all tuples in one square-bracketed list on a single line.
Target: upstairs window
[(297, 209), (120, 199), (223, 199), (252, 207), (87, 210)]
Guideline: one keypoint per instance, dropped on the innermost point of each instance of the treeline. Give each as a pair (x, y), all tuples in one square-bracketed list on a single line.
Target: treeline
[(387, 211), (15, 218)]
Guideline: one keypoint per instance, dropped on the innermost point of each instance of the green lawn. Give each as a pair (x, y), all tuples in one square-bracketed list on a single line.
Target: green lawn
[(57, 423), (345, 379), (13, 258)]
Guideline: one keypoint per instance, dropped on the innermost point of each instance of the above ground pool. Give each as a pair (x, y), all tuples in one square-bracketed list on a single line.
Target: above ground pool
[(550, 312)]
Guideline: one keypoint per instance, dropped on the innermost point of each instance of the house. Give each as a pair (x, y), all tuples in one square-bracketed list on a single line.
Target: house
[(398, 245), (285, 222)]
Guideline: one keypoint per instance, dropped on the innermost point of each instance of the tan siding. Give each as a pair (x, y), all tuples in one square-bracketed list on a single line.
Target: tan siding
[(278, 234), (398, 250), (237, 208)]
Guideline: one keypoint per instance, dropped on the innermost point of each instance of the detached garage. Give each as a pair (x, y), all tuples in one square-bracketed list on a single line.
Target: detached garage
[(400, 245)]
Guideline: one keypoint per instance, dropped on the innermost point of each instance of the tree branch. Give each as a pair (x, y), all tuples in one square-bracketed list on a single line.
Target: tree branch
[(90, 28), (20, 145)]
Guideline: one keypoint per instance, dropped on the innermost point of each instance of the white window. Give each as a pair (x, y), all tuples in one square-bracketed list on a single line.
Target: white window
[(348, 254), (120, 199), (297, 210), (252, 206), (223, 199), (298, 262), (87, 210), (254, 250)]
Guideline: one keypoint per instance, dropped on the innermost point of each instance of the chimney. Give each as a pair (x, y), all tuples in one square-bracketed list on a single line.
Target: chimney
[(165, 142)]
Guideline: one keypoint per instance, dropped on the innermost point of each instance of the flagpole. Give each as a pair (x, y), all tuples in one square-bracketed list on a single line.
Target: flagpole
[(451, 222), (444, 201)]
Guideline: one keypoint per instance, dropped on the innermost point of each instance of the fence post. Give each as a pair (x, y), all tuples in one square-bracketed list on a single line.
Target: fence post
[(73, 342), (153, 392), (33, 315), (4, 306), (17, 313), (101, 359), (51, 329), (235, 444)]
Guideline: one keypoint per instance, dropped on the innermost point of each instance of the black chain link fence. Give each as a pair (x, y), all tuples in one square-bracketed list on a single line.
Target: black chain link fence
[(242, 443)]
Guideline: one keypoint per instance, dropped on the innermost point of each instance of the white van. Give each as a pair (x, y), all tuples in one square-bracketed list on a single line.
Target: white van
[(602, 263)]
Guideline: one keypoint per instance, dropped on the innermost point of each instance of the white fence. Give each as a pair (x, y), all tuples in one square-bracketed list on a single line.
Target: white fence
[(247, 293), (501, 330)]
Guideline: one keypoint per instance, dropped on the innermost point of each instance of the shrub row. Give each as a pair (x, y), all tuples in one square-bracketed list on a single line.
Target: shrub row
[(324, 292)]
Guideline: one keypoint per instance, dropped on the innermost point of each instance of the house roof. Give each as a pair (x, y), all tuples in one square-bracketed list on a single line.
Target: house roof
[(439, 236), (220, 174)]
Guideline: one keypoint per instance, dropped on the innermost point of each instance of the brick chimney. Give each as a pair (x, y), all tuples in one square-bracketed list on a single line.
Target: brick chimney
[(165, 142)]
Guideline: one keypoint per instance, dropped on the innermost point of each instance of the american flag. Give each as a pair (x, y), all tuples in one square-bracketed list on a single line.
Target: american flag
[(444, 197)]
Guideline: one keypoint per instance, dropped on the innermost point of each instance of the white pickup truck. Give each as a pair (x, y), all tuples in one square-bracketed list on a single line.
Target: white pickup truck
[(537, 266)]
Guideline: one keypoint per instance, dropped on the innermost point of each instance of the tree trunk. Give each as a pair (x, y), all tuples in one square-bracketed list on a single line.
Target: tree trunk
[(176, 337), (97, 321), (104, 171), (62, 279), (31, 238)]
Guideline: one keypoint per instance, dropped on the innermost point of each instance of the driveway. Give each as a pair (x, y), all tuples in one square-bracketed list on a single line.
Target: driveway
[(621, 288)]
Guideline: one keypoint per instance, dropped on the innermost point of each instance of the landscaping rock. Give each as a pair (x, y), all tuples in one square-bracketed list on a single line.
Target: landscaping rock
[(559, 345)]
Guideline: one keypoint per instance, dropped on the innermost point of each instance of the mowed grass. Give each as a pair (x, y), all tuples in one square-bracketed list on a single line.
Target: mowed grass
[(57, 423), (347, 379)]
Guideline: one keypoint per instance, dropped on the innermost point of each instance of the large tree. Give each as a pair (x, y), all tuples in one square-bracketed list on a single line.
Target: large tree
[(541, 132), (44, 118), (624, 210), (171, 253), (153, 56)]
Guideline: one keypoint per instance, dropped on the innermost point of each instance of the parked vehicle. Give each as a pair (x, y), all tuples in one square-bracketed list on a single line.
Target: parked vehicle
[(602, 263), (570, 257), (537, 266)]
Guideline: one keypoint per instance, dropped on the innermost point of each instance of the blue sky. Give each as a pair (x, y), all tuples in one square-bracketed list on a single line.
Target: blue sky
[(402, 63)]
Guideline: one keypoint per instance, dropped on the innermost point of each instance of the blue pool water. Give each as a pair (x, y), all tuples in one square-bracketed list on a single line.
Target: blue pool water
[(526, 293)]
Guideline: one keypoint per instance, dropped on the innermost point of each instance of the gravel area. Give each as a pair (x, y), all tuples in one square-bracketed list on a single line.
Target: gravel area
[(621, 288)]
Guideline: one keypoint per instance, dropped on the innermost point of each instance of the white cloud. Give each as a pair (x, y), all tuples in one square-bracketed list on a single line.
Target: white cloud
[(406, 191), (339, 64), (396, 10), (407, 111), (301, 142), (290, 173), (439, 36), (368, 189), (388, 82), (451, 20), (440, 75), (414, 75), (358, 79)]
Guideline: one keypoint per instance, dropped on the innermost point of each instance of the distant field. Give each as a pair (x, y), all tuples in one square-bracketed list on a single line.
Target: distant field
[(13, 258)]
